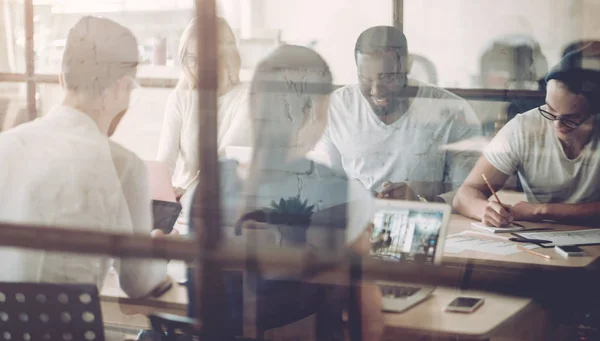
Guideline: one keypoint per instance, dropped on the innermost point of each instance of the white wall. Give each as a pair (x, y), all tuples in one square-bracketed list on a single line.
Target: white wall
[(333, 24), (451, 33)]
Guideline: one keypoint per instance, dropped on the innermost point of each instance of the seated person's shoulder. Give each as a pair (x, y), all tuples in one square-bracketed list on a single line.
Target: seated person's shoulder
[(124, 159), (20, 138), (527, 123), (346, 93)]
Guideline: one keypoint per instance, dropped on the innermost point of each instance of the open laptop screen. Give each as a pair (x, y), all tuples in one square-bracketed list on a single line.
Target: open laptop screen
[(406, 234)]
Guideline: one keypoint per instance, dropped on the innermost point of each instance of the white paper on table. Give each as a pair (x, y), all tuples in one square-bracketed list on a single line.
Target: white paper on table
[(579, 237), (467, 240)]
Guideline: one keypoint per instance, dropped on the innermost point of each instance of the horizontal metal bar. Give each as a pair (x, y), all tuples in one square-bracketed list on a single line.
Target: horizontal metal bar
[(468, 94), (53, 79), (306, 264)]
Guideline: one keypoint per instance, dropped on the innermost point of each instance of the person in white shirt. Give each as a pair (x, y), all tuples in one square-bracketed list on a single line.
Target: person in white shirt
[(179, 140), (552, 148), (62, 169), (391, 141), (289, 100)]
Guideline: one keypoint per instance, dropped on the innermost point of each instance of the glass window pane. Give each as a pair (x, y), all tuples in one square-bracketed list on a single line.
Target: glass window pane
[(156, 24), (13, 105), (12, 37), (329, 27), (496, 44)]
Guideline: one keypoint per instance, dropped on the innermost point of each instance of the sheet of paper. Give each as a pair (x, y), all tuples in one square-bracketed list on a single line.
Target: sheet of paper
[(579, 237), (467, 240)]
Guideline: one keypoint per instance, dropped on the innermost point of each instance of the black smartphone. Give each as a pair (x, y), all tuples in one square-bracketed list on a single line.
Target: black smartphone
[(569, 251)]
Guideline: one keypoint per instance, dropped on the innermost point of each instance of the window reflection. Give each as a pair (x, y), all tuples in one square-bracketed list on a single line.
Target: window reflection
[(323, 112)]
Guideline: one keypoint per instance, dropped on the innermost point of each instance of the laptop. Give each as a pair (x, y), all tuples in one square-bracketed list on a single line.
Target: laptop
[(165, 208), (408, 231)]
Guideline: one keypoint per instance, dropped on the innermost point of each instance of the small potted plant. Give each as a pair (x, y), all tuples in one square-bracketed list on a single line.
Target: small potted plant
[(292, 216)]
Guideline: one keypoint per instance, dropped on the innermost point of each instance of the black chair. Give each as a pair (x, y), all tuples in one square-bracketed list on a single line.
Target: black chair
[(50, 312)]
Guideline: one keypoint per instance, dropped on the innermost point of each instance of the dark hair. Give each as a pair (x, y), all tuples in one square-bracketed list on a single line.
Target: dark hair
[(98, 52), (578, 77), (381, 39)]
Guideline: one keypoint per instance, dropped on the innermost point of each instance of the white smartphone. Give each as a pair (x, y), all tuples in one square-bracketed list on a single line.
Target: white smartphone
[(463, 304), (567, 251)]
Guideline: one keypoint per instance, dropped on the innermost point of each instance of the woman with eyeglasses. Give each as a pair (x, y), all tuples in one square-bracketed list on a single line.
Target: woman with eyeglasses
[(179, 139), (552, 148)]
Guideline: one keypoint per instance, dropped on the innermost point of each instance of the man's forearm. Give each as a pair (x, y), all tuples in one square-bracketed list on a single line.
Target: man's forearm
[(470, 202), (575, 213)]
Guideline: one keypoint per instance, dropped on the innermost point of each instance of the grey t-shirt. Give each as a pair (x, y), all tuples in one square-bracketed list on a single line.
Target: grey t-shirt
[(528, 146)]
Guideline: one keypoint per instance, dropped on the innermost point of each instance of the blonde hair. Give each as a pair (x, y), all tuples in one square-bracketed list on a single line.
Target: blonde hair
[(285, 93), (98, 52), (228, 53), (286, 86)]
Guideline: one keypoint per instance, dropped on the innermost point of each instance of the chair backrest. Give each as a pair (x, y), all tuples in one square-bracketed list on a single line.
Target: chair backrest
[(50, 312)]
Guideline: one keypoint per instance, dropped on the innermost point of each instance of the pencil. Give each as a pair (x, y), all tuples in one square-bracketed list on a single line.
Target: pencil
[(496, 196), (491, 189), (533, 252)]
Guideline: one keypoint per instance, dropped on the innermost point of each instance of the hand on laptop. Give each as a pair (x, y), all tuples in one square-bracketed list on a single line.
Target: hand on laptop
[(396, 191)]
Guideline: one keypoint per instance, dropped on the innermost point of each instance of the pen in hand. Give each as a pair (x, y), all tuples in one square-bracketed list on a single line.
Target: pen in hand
[(496, 196), (491, 189)]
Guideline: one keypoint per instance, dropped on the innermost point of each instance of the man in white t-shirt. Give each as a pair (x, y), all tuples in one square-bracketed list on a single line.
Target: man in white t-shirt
[(62, 169), (394, 143), (553, 149)]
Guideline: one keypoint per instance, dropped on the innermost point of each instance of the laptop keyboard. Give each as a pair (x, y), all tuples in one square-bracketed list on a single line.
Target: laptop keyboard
[(397, 291)]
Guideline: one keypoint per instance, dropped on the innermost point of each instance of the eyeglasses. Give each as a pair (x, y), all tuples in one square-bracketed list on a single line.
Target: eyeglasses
[(190, 60), (565, 121)]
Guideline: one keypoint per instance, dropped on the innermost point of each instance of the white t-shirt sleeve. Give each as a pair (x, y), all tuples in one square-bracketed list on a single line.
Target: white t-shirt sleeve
[(138, 277), (168, 146), (503, 152), (326, 151)]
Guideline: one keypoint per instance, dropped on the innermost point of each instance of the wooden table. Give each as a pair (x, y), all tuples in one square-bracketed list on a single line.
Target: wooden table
[(120, 311), (499, 313), (459, 224), (517, 318)]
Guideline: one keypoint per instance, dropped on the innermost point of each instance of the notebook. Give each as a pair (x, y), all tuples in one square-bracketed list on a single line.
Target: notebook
[(507, 229)]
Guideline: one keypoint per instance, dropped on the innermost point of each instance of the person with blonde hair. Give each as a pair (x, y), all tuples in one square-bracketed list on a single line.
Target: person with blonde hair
[(179, 141), (87, 182)]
